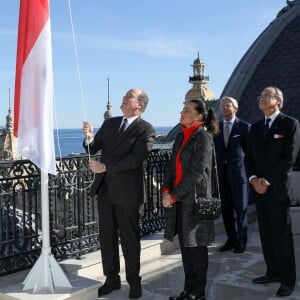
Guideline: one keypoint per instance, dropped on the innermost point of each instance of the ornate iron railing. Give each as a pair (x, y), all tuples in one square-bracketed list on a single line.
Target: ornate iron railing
[(73, 213)]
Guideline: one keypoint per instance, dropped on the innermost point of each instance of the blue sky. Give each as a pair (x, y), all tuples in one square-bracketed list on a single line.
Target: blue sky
[(136, 43)]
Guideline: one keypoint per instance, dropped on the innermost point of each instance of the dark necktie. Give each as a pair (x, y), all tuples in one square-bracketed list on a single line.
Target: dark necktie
[(226, 133), (123, 126), (267, 127)]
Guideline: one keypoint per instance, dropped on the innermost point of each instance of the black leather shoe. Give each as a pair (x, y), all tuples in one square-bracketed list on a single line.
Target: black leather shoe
[(193, 297), (285, 290), (227, 246), (239, 248), (181, 296), (135, 291), (108, 287), (265, 279)]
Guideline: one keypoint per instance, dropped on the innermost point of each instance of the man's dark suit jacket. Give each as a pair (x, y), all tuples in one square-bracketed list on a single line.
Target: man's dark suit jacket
[(273, 157), (233, 156), (123, 154)]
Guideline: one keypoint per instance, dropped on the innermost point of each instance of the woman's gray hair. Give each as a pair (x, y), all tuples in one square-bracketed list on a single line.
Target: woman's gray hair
[(143, 97), (233, 101)]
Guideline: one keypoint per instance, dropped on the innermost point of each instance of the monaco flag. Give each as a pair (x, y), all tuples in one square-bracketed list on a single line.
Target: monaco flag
[(33, 105)]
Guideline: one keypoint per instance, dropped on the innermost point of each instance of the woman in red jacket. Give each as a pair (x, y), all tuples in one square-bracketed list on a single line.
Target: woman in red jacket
[(189, 170)]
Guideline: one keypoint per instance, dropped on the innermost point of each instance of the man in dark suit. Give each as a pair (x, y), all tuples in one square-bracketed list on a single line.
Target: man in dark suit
[(230, 151), (272, 149), (124, 142)]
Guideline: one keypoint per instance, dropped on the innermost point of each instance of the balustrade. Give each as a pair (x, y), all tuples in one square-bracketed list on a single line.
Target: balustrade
[(73, 213)]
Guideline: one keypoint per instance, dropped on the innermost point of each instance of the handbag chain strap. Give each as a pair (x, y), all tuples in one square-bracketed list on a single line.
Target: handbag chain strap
[(214, 176), (215, 189)]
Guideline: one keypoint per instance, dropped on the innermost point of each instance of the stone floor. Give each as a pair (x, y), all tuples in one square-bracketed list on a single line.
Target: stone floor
[(229, 275)]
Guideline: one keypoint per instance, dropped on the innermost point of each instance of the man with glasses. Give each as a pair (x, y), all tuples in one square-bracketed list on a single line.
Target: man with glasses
[(273, 146), (124, 142)]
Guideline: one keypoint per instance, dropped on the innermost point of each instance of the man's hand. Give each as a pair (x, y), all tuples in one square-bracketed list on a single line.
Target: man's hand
[(96, 166), (260, 185), (87, 129)]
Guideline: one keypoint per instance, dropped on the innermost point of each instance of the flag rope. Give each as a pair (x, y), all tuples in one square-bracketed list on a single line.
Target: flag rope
[(83, 102)]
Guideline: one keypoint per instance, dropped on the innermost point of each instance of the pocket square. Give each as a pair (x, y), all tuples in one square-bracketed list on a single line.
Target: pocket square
[(278, 136), (236, 135)]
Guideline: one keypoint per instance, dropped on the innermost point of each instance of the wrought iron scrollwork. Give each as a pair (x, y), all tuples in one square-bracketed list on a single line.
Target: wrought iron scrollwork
[(74, 228)]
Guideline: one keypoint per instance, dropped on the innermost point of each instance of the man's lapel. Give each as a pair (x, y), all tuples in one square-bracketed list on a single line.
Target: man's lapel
[(221, 135), (233, 131), (128, 133), (133, 127), (234, 128), (274, 126)]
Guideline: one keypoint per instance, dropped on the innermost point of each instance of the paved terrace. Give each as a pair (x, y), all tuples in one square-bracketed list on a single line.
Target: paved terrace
[(229, 277)]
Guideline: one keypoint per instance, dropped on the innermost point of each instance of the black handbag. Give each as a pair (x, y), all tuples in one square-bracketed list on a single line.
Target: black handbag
[(209, 208)]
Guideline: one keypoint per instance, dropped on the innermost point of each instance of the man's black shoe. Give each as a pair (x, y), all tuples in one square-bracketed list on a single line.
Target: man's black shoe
[(181, 296), (227, 246), (108, 287), (135, 291), (265, 279), (285, 290), (239, 248), (193, 297)]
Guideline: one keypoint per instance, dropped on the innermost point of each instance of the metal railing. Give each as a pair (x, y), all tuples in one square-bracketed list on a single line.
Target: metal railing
[(73, 213)]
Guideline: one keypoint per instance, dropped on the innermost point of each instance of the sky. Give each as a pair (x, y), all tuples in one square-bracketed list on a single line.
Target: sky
[(136, 44)]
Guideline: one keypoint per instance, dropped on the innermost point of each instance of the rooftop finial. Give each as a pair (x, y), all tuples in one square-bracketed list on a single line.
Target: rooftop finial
[(107, 90), (108, 114), (9, 109)]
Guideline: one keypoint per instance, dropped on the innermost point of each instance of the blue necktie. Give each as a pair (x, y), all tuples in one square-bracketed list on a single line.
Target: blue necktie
[(123, 127)]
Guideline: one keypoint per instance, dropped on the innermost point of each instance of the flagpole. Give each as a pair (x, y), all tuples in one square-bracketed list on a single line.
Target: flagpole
[(46, 272), (33, 115)]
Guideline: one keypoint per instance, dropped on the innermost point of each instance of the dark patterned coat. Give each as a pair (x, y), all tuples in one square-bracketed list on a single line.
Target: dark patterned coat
[(196, 160)]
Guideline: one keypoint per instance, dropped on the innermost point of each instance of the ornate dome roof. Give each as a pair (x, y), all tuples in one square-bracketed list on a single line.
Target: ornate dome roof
[(108, 114), (272, 60), (197, 61), (201, 92)]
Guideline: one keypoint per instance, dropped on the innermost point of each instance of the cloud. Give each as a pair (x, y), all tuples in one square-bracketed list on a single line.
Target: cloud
[(153, 46)]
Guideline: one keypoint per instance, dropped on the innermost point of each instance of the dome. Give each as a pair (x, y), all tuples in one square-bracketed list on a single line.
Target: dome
[(203, 92), (9, 121), (272, 60), (108, 114), (197, 61)]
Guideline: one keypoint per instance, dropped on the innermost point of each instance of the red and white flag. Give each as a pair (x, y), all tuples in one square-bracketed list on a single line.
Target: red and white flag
[(33, 105)]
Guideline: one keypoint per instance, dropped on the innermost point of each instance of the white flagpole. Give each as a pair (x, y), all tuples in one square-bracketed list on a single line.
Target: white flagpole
[(34, 126), (46, 272)]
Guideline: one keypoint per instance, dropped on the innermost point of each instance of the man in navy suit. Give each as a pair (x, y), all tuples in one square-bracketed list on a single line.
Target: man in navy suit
[(124, 142), (274, 143), (231, 145)]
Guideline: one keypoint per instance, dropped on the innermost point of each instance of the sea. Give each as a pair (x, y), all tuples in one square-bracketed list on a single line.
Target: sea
[(69, 141)]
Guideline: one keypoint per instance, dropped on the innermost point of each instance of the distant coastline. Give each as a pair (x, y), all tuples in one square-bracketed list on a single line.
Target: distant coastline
[(69, 141)]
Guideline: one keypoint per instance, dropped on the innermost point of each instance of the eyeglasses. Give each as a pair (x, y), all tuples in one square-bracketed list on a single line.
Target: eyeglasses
[(266, 96)]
